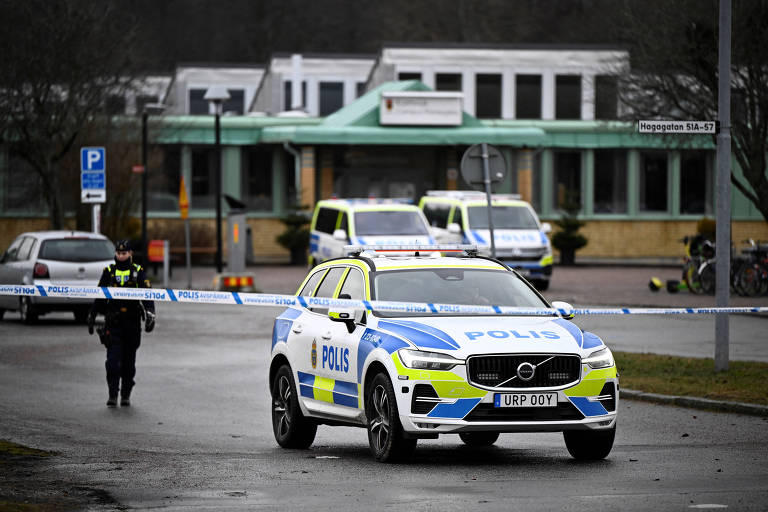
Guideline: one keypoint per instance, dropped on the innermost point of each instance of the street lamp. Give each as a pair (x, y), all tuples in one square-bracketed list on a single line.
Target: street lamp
[(149, 108), (215, 95)]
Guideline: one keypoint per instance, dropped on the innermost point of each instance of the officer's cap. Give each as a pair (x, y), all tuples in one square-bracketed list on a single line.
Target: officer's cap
[(123, 245)]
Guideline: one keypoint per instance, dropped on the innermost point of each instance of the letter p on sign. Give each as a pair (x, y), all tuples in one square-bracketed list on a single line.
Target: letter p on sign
[(92, 159)]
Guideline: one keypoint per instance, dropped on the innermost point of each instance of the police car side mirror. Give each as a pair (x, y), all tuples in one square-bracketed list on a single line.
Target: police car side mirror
[(349, 315), (340, 234), (454, 228), (546, 228), (565, 309)]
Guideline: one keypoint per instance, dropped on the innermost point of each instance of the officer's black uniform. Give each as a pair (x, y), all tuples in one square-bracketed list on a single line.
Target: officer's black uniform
[(122, 329)]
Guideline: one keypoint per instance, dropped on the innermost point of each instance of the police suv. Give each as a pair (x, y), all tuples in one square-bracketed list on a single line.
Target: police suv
[(520, 238), (411, 372), (340, 222)]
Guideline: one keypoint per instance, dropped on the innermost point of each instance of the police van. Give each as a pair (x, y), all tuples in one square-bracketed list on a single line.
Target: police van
[(340, 222), (457, 366), (520, 238)]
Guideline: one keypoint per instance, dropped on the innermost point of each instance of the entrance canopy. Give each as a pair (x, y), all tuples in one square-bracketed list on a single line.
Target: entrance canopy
[(358, 124)]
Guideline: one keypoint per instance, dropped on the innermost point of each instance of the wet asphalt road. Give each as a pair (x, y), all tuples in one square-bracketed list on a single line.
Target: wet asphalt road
[(199, 436)]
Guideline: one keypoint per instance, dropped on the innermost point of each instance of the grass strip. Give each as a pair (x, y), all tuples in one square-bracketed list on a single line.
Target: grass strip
[(744, 381)]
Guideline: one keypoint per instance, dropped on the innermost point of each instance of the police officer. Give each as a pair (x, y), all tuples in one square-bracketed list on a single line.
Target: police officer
[(122, 328)]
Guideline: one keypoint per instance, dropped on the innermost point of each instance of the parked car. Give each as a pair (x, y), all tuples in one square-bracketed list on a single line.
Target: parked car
[(340, 222), (410, 375), (50, 258), (521, 240)]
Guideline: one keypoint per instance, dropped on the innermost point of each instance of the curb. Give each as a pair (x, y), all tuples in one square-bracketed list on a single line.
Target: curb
[(696, 403)]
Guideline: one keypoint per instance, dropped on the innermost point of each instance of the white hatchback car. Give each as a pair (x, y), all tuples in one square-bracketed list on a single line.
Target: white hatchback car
[(53, 258), (406, 376)]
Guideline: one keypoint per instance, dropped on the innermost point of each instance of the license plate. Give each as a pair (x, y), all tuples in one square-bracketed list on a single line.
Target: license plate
[(525, 400)]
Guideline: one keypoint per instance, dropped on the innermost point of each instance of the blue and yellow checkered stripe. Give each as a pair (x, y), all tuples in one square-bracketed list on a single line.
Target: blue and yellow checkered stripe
[(328, 390)]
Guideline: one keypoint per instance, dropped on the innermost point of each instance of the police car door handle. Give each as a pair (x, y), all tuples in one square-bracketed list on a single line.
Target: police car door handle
[(297, 329), (326, 336)]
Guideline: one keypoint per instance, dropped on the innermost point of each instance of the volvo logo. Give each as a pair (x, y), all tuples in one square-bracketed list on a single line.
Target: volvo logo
[(526, 371)]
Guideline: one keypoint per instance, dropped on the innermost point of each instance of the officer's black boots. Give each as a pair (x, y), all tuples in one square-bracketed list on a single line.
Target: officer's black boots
[(112, 401), (125, 401)]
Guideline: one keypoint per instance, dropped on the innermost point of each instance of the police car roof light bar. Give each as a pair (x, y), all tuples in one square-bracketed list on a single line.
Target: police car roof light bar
[(355, 250), (472, 195)]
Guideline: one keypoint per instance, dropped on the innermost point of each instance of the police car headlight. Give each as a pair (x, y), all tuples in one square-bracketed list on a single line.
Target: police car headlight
[(421, 360), (601, 359)]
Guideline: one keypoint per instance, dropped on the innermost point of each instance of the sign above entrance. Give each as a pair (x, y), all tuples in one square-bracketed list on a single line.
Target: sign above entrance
[(676, 126), (421, 108)]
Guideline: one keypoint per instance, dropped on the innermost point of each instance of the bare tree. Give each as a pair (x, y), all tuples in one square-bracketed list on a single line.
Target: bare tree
[(59, 61), (674, 75)]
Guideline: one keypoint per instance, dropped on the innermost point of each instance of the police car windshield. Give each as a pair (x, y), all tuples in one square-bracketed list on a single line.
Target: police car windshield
[(382, 223), (455, 286), (76, 250), (504, 217)]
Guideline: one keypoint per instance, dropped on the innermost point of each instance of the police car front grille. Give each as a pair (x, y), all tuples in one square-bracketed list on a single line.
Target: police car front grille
[(487, 412), (521, 254), (500, 371)]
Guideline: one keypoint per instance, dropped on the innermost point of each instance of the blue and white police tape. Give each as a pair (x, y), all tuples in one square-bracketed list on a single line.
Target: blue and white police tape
[(266, 299)]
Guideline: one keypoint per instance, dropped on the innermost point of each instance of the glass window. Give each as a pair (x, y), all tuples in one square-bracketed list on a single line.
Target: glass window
[(457, 219), (354, 285), (203, 176), (359, 89), (695, 182), (331, 97), (235, 103), (437, 214), (25, 249), (76, 249), (610, 181), (568, 97), (653, 181), (408, 76), (197, 105), (567, 180), (528, 96), (380, 223), (606, 97), (327, 287), (309, 288), (504, 217), (455, 286), (163, 179), (12, 252), (287, 88), (326, 220), (343, 222), (488, 96), (448, 81), (257, 178)]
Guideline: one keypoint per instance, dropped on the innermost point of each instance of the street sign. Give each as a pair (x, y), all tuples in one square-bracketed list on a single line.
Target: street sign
[(93, 175), (655, 126), (472, 166)]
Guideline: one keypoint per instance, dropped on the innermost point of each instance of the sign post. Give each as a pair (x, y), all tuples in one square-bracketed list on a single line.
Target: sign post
[(93, 181), (482, 165)]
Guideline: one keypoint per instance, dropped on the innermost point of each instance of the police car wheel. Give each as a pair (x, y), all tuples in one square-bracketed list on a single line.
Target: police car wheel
[(27, 311), (479, 438), (589, 444), (291, 428), (385, 433)]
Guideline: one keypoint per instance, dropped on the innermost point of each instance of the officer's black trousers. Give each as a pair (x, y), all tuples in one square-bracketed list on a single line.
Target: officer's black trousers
[(121, 360)]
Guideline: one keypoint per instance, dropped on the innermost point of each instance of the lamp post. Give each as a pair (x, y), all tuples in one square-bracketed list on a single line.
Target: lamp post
[(215, 95), (149, 108)]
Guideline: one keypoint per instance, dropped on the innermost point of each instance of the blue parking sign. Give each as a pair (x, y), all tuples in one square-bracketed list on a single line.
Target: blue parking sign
[(93, 159)]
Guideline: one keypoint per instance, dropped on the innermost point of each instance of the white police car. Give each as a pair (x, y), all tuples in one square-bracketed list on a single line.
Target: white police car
[(412, 375), (338, 222)]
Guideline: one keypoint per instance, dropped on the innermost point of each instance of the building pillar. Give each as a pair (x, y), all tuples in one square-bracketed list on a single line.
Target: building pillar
[(326, 173), (588, 181), (588, 97), (547, 163), (231, 171), (633, 182), (548, 95), (186, 172), (673, 187), (525, 174)]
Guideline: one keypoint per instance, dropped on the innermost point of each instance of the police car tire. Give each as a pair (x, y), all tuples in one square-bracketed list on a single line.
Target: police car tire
[(589, 444), (479, 438), (291, 428), (27, 311), (385, 433)]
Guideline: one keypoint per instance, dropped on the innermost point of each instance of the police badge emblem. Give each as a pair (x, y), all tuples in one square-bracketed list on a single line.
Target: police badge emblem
[(314, 354)]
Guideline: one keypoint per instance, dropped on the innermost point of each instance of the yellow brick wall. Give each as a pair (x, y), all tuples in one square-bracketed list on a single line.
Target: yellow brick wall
[(11, 227)]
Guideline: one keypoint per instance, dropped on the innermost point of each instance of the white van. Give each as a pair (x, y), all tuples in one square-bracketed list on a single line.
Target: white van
[(340, 222), (521, 239)]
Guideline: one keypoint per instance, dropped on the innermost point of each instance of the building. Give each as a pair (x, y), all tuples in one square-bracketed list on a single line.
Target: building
[(309, 127)]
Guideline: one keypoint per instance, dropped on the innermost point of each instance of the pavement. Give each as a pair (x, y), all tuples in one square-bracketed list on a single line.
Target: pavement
[(580, 285)]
